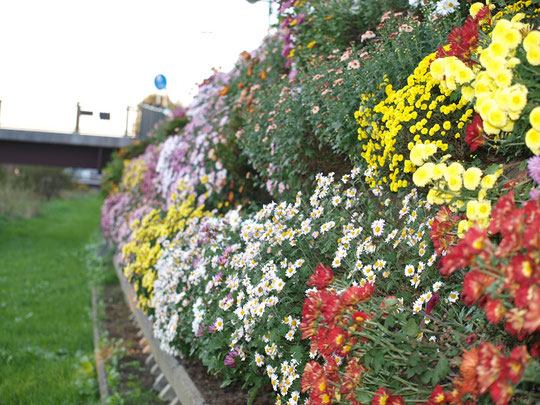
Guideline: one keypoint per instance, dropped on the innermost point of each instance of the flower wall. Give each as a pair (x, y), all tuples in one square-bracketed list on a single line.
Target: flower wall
[(352, 214)]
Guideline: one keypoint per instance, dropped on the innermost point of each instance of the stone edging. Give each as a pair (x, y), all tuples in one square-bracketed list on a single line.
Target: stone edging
[(176, 376)]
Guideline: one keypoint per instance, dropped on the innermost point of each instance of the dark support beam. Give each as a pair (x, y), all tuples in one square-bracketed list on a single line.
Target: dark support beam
[(100, 159)]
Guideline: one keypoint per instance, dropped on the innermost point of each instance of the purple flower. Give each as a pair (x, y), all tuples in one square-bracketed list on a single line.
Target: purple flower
[(534, 194), (230, 358), (534, 168), (200, 332)]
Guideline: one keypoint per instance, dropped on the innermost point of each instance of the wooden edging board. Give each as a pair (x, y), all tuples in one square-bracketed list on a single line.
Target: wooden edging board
[(177, 377)]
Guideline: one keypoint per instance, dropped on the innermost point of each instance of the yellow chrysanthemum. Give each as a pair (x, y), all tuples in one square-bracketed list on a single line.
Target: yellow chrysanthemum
[(534, 118), (472, 210), (416, 154), (437, 69), (531, 40), (454, 182), (483, 209), (438, 171), (532, 140), (455, 169), (423, 174), (472, 177), (518, 98), (475, 8), (488, 181), (533, 56)]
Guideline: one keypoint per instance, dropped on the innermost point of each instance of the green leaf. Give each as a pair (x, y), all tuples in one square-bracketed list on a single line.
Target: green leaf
[(492, 169), (363, 397), (411, 328), (389, 321), (441, 370)]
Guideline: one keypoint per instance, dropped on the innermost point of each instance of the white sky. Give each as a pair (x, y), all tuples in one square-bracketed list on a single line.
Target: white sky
[(106, 53)]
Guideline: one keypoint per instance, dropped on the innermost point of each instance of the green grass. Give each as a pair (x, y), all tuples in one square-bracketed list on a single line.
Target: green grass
[(46, 346)]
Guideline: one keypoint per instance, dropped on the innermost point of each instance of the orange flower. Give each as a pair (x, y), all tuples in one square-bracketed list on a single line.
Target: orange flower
[(468, 371)]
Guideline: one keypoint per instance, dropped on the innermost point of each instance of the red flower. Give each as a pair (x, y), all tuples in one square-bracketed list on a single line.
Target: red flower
[(494, 310), (531, 235), (432, 302), (352, 376), (463, 254), (322, 277), (489, 366), (310, 313), (384, 397), (356, 295), (469, 385), (475, 284), (438, 396), (313, 372), (522, 268), (475, 132), (441, 230), (503, 209), (501, 392), (532, 316), (515, 320), (336, 339)]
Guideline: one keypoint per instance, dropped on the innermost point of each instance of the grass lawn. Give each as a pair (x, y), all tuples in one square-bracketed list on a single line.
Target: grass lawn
[(46, 347)]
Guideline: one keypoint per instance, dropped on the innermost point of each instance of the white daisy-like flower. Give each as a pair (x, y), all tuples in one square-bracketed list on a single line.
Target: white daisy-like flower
[(432, 259), (386, 274), (417, 307), (291, 271), (415, 280), (453, 296), (378, 227), (433, 338), (437, 285), (290, 335), (336, 200), (409, 270), (421, 267), (367, 270), (259, 359), (445, 7)]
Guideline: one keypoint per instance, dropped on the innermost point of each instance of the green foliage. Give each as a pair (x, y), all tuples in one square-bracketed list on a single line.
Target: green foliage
[(45, 181), (44, 288)]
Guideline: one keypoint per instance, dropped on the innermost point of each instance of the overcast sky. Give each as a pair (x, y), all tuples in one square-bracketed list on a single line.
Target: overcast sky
[(106, 53)]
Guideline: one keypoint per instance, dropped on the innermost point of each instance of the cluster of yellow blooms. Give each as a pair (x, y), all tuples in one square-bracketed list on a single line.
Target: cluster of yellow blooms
[(420, 108), (132, 174), (498, 102), (143, 251), (449, 180)]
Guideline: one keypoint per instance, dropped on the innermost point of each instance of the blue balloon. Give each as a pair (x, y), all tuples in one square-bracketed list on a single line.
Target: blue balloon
[(160, 81)]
